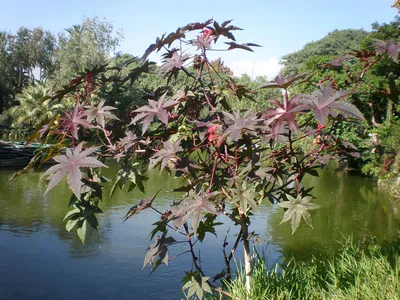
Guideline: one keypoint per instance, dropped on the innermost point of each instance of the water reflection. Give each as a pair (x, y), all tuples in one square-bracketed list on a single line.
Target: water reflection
[(350, 206), (43, 260)]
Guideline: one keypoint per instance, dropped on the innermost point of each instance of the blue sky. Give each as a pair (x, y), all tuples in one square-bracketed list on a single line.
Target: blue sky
[(281, 26)]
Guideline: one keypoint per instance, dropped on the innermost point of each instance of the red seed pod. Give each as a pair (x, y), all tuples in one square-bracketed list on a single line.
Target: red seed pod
[(88, 83)]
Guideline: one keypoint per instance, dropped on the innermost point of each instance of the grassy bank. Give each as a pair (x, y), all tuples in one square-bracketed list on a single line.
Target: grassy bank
[(353, 272)]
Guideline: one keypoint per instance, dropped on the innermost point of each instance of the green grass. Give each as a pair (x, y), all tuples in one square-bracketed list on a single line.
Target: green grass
[(353, 272)]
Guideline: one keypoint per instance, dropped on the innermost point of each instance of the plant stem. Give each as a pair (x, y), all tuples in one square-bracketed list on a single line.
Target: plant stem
[(247, 254)]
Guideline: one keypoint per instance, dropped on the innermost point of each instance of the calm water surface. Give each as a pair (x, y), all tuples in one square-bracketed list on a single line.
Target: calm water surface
[(40, 260)]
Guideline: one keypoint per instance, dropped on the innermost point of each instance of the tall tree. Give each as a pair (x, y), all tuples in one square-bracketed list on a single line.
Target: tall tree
[(85, 46), (44, 45), (7, 73), (386, 74), (32, 49)]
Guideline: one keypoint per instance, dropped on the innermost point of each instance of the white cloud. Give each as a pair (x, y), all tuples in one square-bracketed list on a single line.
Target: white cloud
[(269, 67)]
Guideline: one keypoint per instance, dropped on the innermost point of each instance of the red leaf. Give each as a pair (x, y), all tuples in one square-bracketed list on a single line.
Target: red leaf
[(322, 102), (71, 121), (69, 165)]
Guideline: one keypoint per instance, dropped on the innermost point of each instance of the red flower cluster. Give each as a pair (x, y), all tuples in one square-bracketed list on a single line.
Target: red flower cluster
[(206, 32), (211, 131)]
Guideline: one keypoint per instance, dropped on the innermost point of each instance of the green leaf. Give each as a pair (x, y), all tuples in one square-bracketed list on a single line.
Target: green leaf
[(131, 186), (71, 213), (312, 172), (95, 187), (245, 197), (71, 224), (298, 208), (208, 225), (184, 188), (245, 170), (189, 275), (93, 222), (73, 200), (225, 105), (160, 226), (197, 286), (204, 112), (82, 231), (116, 183)]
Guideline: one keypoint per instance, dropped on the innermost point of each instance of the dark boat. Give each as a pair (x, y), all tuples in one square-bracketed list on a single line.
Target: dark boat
[(16, 155)]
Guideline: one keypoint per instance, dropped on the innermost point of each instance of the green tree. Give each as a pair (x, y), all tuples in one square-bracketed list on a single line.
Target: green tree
[(34, 108), (21, 56), (385, 76), (335, 43), (30, 50), (7, 73), (44, 46), (84, 47)]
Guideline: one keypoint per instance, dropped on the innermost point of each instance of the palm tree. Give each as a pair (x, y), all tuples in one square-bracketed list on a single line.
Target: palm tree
[(34, 107)]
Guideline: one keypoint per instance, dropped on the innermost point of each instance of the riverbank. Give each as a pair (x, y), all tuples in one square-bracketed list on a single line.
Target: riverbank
[(355, 271)]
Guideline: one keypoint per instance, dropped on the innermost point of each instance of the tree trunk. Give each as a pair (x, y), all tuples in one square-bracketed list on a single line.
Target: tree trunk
[(389, 112), (393, 97), (19, 84)]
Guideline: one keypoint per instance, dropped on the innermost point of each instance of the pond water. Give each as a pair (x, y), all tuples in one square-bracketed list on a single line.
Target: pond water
[(39, 259)]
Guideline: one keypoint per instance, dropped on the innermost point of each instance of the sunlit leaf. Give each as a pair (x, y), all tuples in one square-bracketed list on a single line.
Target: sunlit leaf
[(323, 101), (390, 47), (246, 197), (201, 204), (238, 124), (82, 231), (71, 224), (284, 113), (68, 165), (99, 113), (175, 62), (166, 154), (128, 141), (157, 253), (203, 42), (155, 108), (297, 208), (71, 213), (197, 287), (207, 225)]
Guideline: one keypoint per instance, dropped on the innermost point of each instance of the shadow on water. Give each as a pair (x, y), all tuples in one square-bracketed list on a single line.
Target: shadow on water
[(42, 260)]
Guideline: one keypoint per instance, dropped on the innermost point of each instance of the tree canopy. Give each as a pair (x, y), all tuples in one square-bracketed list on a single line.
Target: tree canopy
[(335, 43)]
